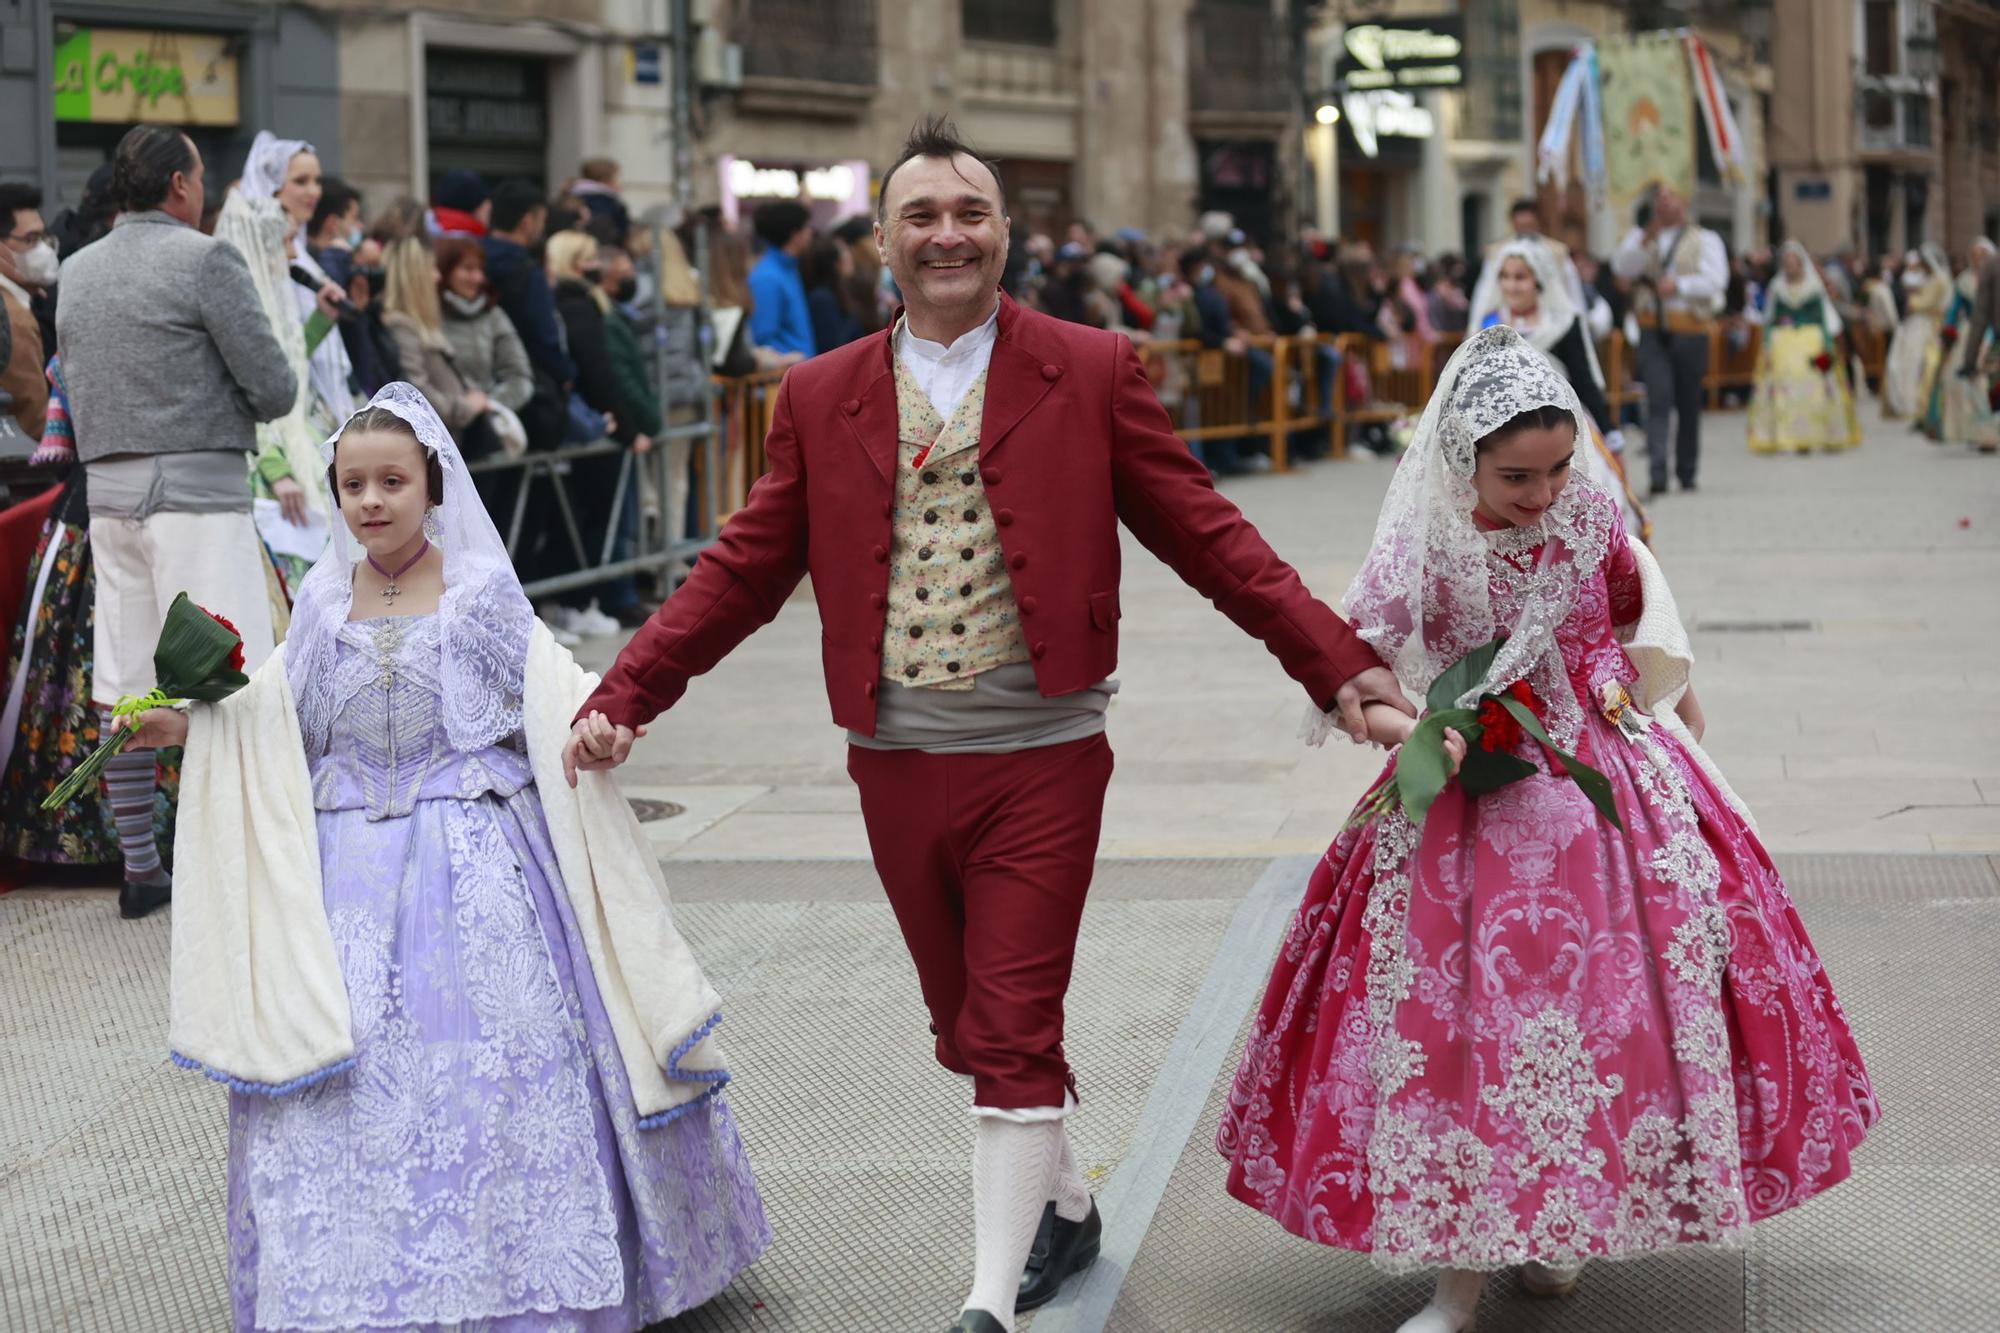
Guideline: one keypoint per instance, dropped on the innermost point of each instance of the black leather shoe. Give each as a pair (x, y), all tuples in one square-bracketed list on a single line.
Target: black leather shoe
[(1061, 1248), (137, 897), (977, 1321), (1656, 490)]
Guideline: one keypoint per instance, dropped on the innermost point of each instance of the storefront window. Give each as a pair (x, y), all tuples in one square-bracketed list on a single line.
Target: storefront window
[(486, 113)]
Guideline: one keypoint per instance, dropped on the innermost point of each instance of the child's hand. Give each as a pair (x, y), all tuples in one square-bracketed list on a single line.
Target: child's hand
[(597, 743), (155, 729), (1454, 750)]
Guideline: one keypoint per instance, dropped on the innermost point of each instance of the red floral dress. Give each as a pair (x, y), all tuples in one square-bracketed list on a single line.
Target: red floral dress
[(1519, 1033)]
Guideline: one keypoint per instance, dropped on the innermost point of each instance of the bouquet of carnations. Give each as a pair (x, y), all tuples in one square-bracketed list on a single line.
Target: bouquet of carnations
[(1493, 731), (1823, 363), (1948, 334), (199, 657)]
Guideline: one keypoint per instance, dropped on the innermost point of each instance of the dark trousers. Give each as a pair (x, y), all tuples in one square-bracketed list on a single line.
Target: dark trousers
[(1672, 367), (986, 859)]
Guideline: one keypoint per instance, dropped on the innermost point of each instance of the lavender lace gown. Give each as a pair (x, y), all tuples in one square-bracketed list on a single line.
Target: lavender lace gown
[(481, 1165)]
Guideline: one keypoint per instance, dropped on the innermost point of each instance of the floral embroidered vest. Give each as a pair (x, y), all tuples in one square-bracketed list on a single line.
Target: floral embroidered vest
[(951, 602)]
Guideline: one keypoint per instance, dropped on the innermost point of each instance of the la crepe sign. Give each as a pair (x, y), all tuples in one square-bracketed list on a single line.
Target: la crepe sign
[(123, 76)]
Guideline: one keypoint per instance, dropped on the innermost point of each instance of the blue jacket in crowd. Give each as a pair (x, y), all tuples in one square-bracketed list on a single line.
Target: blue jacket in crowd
[(781, 320)]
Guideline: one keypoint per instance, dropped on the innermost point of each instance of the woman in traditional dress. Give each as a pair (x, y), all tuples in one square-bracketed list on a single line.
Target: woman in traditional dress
[(484, 1093), (264, 216), (1535, 302), (1960, 411), (1927, 286), (1802, 400), (1513, 1034)]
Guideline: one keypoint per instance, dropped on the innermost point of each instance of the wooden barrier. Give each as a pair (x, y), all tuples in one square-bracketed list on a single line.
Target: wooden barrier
[(1620, 363), (1731, 367)]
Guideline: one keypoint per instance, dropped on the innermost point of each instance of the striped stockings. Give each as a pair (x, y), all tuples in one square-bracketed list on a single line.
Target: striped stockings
[(129, 779)]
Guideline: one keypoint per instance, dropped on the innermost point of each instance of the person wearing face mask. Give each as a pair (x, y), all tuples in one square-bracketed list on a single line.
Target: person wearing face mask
[(336, 240), (28, 267), (955, 486)]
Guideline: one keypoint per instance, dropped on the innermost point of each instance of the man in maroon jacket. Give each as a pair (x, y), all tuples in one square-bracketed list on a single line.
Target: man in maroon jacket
[(954, 486)]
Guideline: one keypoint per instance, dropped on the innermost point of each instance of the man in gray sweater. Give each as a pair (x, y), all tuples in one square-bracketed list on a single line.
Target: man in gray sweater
[(170, 364)]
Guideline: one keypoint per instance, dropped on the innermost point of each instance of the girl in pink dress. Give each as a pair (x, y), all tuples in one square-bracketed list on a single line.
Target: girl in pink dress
[(1516, 1034)]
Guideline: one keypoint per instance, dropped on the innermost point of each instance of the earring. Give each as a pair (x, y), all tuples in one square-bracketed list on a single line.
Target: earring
[(432, 530)]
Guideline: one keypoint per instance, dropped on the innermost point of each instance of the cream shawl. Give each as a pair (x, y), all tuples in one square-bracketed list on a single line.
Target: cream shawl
[(258, 1000), (1658, 645)]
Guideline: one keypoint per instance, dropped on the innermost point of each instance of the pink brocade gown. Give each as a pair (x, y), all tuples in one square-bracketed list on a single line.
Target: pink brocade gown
[(1520, 1033)]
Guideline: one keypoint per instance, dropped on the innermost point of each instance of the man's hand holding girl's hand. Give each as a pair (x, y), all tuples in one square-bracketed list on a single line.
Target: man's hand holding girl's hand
[(595, 744)]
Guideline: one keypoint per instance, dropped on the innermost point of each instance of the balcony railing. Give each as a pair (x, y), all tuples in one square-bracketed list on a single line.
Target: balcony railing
[(1892, 120), (1239, 58), (814, 41), (1017, 71)]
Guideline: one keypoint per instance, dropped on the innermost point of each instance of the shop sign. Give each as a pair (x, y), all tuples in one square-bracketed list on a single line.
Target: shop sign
[(747, 180), (842, 186), (474, 98), (1388, 113), (120, 76), (1406, 53)]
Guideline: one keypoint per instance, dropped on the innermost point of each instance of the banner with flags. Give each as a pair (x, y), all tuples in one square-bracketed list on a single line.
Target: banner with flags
[(1627, 107)]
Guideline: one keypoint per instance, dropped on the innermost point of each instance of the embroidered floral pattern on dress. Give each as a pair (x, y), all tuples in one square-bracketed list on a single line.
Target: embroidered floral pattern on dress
[(482, 1164), (1522, 1034)]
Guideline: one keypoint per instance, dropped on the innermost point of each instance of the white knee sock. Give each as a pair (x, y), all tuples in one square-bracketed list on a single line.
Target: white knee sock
[(1451, 1304), (1013, 1170), (1072, 1191)]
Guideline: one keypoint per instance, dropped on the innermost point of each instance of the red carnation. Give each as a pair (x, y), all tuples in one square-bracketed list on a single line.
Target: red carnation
[(1823, 363), (1498, 729), (235, 662), (1949, 334), (1993, 396)]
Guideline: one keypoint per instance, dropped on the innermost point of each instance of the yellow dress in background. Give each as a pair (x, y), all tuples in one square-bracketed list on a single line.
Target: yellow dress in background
[(1797, 407)]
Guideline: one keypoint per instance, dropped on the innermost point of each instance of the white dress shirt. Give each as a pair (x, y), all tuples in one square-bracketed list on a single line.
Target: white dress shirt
[(947, 373), (1634, 258)]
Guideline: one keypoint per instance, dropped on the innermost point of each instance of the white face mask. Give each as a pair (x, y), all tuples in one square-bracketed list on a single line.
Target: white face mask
[(1913, 277), (39, 267), (354, 238)]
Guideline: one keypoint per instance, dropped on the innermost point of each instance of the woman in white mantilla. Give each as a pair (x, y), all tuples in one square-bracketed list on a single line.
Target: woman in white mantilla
[(1927, 285), (473, 1081), (1801, 400), (264, 216)]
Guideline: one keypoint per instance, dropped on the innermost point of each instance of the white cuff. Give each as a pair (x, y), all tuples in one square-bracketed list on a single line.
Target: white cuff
[(1029, 1115)]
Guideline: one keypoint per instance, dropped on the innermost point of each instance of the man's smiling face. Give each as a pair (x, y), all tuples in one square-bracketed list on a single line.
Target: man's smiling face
[(945, 235)]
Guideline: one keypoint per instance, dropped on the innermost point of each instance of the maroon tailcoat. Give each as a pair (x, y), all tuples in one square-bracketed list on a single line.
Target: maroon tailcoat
[(1073, 440)]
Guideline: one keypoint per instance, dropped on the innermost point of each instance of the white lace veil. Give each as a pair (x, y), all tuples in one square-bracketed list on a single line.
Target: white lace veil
[(486, 619), (270, 159), (1556, 310), (1809, 285), (1435, 585)]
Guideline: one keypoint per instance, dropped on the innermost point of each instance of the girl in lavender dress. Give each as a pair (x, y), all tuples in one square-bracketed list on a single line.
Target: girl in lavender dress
[(1515, 1034), (474, 1086)]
